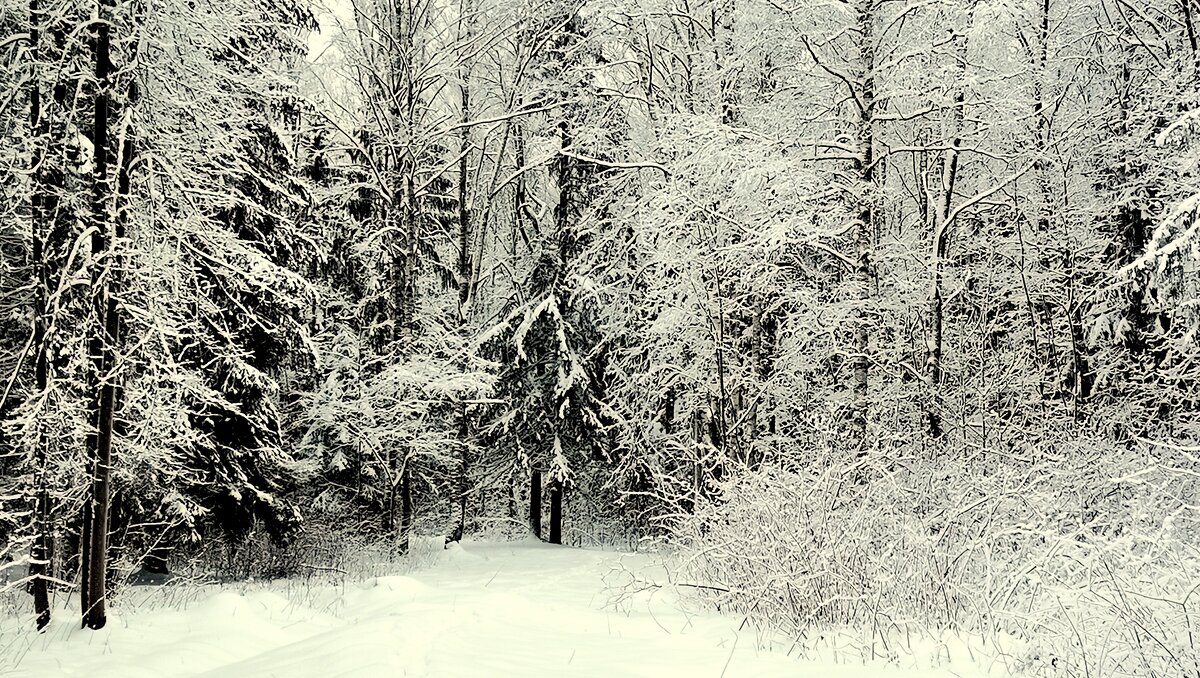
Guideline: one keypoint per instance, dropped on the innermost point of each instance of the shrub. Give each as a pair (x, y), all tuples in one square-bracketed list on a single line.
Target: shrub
[(1065, 563)]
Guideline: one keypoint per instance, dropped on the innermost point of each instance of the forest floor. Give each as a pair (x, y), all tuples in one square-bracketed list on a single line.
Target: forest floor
[(480, 610)]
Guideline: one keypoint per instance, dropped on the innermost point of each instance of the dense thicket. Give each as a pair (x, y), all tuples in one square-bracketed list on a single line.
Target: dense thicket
[(898, 298)]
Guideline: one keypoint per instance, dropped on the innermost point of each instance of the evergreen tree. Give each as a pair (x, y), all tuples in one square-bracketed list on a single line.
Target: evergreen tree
[(549, 347)]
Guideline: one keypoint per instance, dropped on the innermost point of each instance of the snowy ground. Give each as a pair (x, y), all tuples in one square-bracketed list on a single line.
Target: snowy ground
[(484, 610)]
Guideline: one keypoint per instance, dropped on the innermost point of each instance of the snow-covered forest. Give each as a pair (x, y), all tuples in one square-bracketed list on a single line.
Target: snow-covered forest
[(870, 319)]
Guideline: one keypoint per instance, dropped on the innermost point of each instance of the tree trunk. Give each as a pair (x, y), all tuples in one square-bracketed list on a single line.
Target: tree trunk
[(1082, 376), (405, 265), (399, 347), (520, 198), (556, 495), (464, 213), (465, 282), (514, 488), (722, 27), (406, 507), (389, 503), (105, 335), (1189, 23), (941, 235), (464, 467), (535, 503), (408, 170), (412, 251), (40, 227), (864, 229)]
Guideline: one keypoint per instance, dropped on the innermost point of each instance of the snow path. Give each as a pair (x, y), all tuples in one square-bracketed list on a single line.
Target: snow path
[(522, 609)]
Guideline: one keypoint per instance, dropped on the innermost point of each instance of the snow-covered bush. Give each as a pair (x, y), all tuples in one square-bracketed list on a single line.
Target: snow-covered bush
[(1062, 562)]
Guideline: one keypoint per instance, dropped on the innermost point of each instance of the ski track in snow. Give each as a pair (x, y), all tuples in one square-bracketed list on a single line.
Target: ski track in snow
[(514, 609)]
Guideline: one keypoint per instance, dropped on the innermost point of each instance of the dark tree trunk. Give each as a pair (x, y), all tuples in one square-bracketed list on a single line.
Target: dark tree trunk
[(465, 282), (514, 488), (400, 344), (464, 212), (42, 548), (104, 339), (667, 415), (464, 468), (389, 502), (556, 495), (864, 232), (723, 49), (535, 503), (941, 242), (42, 551), (39, 565), (405, 264), (1082, 376), (521, 212), (1189, 23), (406, 507), (85, 547)]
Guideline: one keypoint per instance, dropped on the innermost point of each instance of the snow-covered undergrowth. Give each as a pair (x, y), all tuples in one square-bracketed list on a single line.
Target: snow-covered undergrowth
[(482, 609), (1082, 564)]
